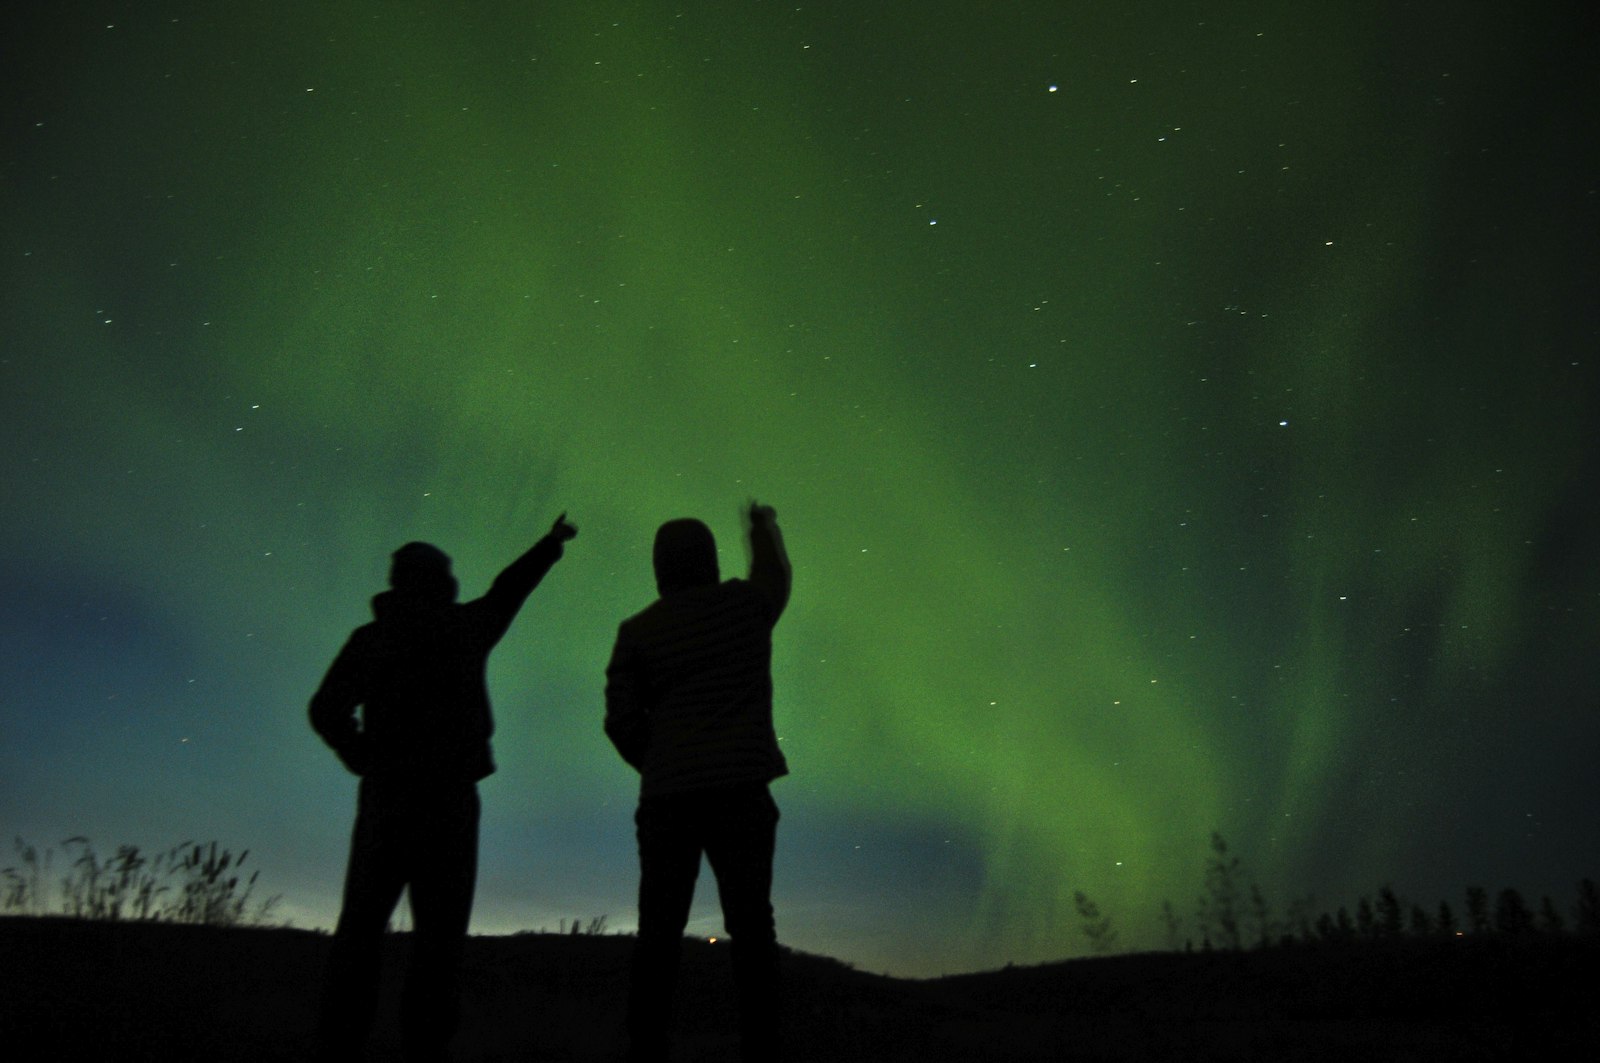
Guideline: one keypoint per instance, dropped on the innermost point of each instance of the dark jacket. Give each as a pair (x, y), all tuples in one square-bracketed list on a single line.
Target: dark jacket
[(689, 686), (417, 674)]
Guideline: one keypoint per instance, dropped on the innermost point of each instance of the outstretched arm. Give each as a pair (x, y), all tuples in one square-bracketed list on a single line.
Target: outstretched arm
[(512, 587), (769, 561)]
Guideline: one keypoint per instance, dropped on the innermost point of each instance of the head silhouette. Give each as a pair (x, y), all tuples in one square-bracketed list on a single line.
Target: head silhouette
[(685, 555), (422, 570)]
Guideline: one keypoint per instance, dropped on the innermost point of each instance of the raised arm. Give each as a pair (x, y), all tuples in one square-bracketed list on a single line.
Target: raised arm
[(769, 561), (512, 587)]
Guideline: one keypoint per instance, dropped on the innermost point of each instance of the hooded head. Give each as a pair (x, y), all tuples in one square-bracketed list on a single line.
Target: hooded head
[(685, 555), (422, 570)]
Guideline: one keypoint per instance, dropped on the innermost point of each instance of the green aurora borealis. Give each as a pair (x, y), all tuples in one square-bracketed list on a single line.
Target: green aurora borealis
[(1181, 418)]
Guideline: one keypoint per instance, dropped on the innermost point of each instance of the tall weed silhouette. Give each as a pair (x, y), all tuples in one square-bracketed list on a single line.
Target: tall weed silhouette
[(193, 883)]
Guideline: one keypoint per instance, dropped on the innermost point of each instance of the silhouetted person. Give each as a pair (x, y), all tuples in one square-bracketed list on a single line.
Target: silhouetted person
[(689, 704), (421, 745)]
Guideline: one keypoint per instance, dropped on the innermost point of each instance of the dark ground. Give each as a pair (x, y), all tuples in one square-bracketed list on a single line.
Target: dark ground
[(132, 991)]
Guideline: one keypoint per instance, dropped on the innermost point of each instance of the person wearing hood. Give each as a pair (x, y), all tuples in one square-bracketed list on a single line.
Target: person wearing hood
[(689, 706), (420, 744)]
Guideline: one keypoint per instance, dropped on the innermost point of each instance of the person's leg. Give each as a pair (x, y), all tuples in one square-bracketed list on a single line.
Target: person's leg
[(445, 872), (373, 881), (741, 839), (669, 863)]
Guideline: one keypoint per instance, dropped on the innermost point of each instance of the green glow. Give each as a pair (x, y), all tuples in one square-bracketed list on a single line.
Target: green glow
[(1143, 473)]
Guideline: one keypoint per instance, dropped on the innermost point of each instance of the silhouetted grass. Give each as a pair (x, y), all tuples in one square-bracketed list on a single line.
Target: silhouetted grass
[(1393, 981), (1234, 913), (189, 883), (143, 990)]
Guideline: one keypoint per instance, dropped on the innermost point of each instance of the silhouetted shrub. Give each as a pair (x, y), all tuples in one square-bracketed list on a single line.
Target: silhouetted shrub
[(1229, 913), (188, 883), (1586, 916), (1095, 927), (1477, 910), (1511, 915), (594, 927), (1265, 928), (1172, 925), (1389, 919), (1219, 906), (22, 890), (1366, 919)]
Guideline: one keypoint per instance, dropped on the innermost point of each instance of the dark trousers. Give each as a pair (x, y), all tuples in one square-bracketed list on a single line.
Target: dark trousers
[(736, 829), (424, 838)]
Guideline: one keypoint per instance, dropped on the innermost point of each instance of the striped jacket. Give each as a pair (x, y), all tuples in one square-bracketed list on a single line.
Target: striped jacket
[(689, 686)]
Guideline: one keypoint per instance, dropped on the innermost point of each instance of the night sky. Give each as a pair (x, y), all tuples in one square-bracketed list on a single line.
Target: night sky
[(1182, 417)]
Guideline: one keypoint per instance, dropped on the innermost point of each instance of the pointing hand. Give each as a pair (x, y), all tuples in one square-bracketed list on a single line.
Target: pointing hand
[(561, 531)]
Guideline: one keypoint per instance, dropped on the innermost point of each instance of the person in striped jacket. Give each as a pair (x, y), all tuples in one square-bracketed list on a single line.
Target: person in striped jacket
[(689, 706)]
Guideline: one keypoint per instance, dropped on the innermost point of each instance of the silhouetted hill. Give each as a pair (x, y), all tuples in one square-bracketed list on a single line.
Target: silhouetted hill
[(140, 991)]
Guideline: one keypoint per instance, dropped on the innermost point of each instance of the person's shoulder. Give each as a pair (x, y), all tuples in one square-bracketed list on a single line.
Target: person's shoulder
[(673, 609), (469, 611), (735, 593), (644, 618), (749, 593), (362, 639)]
